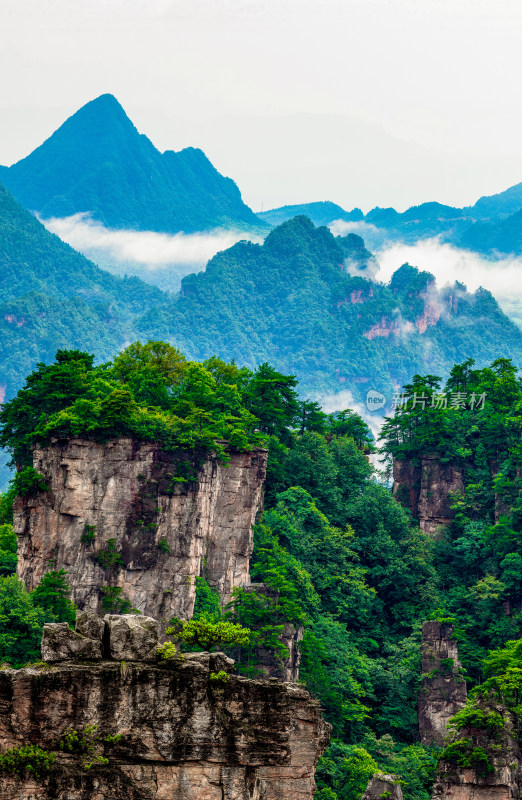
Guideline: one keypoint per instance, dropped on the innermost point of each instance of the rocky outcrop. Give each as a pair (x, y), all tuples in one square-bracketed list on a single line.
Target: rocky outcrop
[(478, 764), (383, 787), (128, 519), (426, 486), (443, 689), (189, 730), (385, 328), (60, 643)]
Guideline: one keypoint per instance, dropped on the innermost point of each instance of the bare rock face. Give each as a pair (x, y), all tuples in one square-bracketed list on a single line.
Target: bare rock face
[(131, 637), (185, 732), (60, 643), (443, 690), (90, 625), (493, 761), (128, 517), (383, 787), (425, 487)]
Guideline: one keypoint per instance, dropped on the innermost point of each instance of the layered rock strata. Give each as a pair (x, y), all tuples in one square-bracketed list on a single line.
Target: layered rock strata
[(426, 487), (443, 689), (189, 729), (127, 517)]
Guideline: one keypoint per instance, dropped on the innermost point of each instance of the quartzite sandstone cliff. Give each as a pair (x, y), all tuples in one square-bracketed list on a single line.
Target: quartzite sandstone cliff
[(184, 734), (171, 518), (426, 486), (443, 689), (494, 769)]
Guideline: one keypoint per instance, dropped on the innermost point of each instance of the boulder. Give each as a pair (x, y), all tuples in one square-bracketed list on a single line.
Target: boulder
[(383, 786), (90, 624), (131, 637), (210, 662), (60, 643)]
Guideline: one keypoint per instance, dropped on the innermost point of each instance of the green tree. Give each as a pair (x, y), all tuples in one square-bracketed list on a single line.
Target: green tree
[(52, 595), (206, 634), (20, 623)]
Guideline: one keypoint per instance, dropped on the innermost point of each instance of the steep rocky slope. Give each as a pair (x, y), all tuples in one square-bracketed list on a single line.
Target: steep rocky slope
[(180, 732), (443, 689), (425, 486), (127, 514)]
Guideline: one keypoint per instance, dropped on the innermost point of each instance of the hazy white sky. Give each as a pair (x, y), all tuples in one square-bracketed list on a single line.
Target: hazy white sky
[(261, 85)]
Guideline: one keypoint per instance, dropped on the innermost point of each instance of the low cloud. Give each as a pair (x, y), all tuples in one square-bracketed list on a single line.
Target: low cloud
[(161, 258), (340, 401), (374, 238), (502, 277)]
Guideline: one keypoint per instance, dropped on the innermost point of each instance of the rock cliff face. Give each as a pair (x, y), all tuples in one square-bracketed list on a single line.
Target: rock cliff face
[(443, 690), (128, 515), (425, 487), (494, 762), (184, 734)]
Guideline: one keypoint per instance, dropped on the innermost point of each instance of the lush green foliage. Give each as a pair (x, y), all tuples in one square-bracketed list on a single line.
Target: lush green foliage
[(27, 760), (86, 744), (150, 392), (204, 634), (8, 547), (292, 302), (23, 613), (478, 558), (52, 595)]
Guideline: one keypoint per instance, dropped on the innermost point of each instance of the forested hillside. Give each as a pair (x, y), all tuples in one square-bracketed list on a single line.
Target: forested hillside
[(344, 559), (305, 301), (52, 297), (98, 163)]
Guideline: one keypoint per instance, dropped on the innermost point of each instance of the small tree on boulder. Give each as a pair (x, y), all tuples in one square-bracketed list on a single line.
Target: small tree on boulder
[(206, 635)]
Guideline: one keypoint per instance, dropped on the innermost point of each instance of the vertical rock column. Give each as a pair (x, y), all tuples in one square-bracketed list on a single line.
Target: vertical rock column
[(443, 690), (426, 487), (125, 518)]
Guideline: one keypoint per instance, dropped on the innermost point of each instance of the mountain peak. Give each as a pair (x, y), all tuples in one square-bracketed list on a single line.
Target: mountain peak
[(97, 162), (106, 105), (98, 117)]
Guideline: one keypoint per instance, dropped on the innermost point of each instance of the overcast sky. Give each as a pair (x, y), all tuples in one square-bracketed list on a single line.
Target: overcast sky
[(363, 102)]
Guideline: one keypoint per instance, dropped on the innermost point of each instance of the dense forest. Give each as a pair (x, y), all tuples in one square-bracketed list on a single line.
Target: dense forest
[(345, 559), (305, 302)]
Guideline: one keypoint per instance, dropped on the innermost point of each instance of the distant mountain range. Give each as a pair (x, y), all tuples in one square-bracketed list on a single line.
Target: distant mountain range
[(320, 213), (492, 227), (97, 162), (305, 301)]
